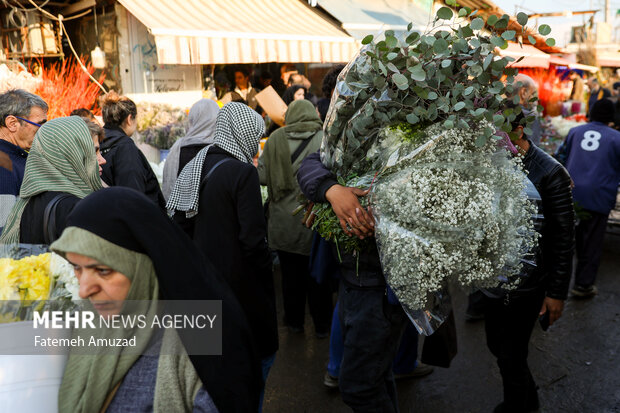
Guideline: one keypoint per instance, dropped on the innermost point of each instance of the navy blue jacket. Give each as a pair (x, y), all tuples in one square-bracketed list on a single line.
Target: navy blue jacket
[(12, 167), (593, 161)]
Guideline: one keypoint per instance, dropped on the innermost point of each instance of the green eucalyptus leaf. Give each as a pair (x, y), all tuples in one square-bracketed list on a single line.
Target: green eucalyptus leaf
[(467, 31), (410, 26), (468, 90), (392, 67), (400, 81), (528, 131), (509, 34), (462, 12), (532, 39), (383, 69), (498, 120), (477, 24), (446, 63), (392, 56), (391, 42), (367, 39), (429, 40), (492, 20), (440, 46), (550, 42), (445, 13), (488, 131), (432, 96), (463, 124), (418, 73), (459, 106), (501, 23), (487, 61), (412, 37), (522, 18), (412, 118), (479, 111), (544, 29), (497, 41), (481, 140), (448, 124)]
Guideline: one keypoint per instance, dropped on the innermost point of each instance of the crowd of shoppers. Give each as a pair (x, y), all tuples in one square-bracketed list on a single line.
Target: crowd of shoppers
[(209, 236)]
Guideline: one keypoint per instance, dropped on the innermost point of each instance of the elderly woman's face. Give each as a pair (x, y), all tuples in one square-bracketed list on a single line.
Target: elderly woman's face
[(103, 286)]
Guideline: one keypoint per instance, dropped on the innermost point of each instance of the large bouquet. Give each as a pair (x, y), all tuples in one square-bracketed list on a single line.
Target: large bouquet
[(424, 120)]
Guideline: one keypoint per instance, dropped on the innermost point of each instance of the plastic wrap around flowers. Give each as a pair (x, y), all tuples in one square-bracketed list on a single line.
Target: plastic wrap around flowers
[(448, 210)]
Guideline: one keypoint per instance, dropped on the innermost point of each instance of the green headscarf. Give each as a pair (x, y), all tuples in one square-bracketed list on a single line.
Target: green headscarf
[(62, 159), (88, 380), (302, 122)]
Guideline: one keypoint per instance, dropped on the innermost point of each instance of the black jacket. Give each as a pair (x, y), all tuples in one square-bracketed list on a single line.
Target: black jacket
[(31, 224), (554, 257), (127, 166), (230, 230)]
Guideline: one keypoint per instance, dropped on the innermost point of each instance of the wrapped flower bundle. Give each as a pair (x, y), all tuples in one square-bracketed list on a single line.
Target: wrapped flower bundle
[(28, 282), (425, 119)]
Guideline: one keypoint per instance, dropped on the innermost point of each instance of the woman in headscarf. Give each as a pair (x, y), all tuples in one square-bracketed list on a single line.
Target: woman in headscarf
[(125, 248), (200, 134), (277, 167), (63, 166), (126, 164), (219, 190)]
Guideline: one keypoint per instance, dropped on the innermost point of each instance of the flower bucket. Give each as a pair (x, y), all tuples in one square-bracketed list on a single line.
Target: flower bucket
[(29, 383)]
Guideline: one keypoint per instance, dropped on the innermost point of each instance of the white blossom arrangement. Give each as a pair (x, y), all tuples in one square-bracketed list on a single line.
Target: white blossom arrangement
[(453, 211)]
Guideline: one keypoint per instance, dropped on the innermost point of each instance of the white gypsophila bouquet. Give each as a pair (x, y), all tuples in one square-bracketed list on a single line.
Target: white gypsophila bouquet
[(451, 211)]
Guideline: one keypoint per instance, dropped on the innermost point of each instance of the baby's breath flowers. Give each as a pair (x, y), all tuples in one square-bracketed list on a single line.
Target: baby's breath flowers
[(456, 211)]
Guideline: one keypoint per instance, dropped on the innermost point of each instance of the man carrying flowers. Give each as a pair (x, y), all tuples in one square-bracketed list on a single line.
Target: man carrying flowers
[(511, 316)]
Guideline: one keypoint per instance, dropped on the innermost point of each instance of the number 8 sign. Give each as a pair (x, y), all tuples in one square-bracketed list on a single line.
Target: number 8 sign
[(590, 141)]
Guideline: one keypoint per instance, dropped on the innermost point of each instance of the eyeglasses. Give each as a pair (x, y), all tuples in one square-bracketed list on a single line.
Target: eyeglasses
[(38, 125)]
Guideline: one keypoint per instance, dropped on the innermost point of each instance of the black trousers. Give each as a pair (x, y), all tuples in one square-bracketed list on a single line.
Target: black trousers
[(508, 330), (589, 235), (297, 286), (371, 331)]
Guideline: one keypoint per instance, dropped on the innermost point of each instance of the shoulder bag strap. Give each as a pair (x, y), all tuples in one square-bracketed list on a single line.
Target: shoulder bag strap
[(49, 218), (213, 168), (301, 148)]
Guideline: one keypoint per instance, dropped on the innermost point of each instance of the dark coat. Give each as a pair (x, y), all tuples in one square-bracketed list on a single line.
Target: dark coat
[(31, 224), (230, 230), (554, 254), (127, 166)]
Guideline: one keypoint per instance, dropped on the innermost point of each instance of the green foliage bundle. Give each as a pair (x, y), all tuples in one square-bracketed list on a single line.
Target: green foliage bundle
[(449, 74)]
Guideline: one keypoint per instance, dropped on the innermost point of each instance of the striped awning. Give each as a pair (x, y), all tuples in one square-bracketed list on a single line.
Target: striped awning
[(532, 57), (241, 31)]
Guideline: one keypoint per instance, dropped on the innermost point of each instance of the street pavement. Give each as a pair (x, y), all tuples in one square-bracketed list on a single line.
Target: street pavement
[(576, 362)]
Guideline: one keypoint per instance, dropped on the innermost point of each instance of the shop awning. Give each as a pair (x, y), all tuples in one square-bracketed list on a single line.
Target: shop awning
[(532, 57), (362, 17), (607, 59), (241, 31)]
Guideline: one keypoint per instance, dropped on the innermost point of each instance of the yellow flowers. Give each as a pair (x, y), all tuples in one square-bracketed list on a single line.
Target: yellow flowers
[(27, 279)]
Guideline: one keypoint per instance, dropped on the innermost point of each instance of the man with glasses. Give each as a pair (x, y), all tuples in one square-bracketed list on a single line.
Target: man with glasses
[(21, 115)]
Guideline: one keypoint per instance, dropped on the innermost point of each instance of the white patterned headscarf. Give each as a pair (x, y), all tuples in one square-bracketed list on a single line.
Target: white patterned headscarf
[(238, 130)]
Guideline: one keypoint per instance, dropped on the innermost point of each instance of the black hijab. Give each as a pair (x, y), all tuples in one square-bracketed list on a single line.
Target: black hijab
[(127, 218)]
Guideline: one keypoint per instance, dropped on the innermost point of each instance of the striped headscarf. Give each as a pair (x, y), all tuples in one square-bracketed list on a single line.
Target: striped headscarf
[(238, 130), (62, 159)]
